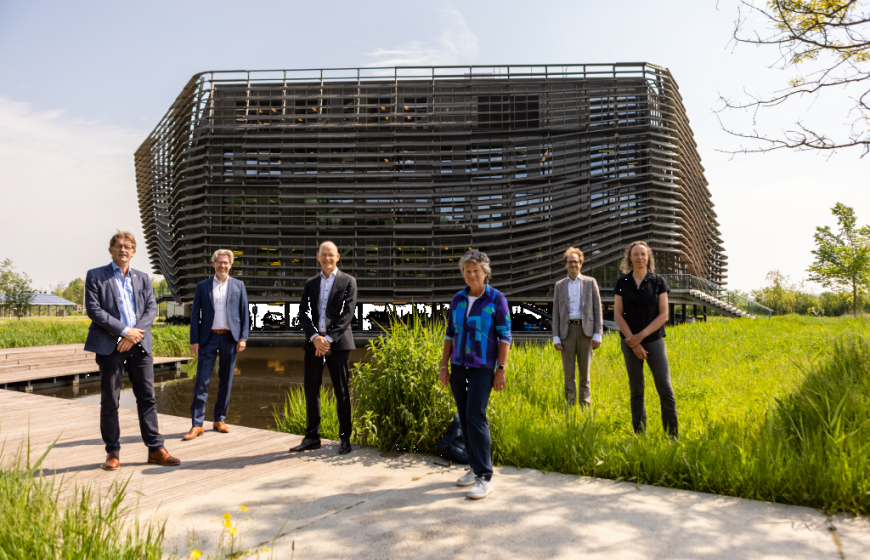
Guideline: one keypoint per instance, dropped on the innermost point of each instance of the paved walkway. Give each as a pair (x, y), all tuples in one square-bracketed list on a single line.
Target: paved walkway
[(371, 505)]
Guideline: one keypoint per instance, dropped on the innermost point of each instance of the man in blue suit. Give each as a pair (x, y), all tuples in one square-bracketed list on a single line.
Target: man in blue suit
[(120, 302), (218, 325)]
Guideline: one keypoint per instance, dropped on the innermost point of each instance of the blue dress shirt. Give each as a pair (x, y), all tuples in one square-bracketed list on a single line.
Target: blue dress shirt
[(125, 297)]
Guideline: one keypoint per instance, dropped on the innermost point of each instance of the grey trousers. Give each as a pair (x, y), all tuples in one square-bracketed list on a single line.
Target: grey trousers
[(657, 357), (577, 350)]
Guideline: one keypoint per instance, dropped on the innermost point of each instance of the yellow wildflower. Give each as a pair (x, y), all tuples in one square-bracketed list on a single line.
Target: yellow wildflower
[(227, 523), (266, 548), (233, 531), (195, 554), (227, 516), (244, 508)]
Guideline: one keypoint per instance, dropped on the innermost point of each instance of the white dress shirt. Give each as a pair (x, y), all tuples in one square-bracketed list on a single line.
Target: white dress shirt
[(219, 296), (326, 283), (575, 300)]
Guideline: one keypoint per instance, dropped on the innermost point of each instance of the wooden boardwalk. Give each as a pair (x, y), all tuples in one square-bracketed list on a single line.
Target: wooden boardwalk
[(206, 461), (69, 364)]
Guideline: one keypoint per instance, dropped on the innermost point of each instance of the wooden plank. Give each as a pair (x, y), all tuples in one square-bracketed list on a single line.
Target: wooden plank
[(72, 348), (35, 374)]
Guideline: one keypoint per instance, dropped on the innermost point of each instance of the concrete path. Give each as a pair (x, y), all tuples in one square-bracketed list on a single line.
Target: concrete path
[(372, 505)]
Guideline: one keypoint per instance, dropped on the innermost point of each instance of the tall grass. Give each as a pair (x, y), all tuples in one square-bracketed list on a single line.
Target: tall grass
[(769, 409), (169, 341), (35, 523)]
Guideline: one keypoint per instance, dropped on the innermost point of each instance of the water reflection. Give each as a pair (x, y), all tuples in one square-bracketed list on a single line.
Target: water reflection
[(262, 378)]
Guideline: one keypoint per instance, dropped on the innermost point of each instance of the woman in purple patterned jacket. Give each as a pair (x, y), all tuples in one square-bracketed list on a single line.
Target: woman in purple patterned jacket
[(476, 346)]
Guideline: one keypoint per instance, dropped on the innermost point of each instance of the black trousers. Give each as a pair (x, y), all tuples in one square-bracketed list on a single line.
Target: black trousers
[(338, 363), (140, 368)]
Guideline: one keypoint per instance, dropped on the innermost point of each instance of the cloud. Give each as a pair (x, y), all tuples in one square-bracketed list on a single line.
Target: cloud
[(66, 184), (457, 44)]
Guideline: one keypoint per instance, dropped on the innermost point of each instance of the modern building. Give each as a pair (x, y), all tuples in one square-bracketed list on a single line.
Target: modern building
[(405, 169)]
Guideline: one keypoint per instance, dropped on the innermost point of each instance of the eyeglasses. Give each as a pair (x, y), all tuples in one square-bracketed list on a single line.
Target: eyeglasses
[(473, 254), (573, 262), (127, 247)]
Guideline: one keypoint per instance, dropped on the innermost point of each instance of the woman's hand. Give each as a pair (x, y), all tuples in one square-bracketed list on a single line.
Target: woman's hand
[(639, 352), (499, 382), (633, 340), (444, 376)]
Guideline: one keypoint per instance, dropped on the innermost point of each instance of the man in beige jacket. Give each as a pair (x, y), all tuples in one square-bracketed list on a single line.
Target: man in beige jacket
[(577, 325)]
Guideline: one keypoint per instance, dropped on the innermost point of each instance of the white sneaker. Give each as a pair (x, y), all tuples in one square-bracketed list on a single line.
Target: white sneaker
[(481, 489), (467, 479)]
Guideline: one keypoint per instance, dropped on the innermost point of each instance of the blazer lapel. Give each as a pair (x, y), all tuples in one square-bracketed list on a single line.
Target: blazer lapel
[(211, 291), (315, 301), (564, 299), (336, 283), (113, 287)]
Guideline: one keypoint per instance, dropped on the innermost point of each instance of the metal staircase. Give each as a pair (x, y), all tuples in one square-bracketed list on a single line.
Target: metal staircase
[(691, 290)]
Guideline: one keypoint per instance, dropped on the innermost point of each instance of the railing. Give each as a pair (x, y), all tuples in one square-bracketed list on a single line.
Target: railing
[(689, 282)]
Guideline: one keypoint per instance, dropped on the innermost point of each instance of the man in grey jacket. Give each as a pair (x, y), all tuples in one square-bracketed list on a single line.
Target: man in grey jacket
[(120, 303), (577, 325)]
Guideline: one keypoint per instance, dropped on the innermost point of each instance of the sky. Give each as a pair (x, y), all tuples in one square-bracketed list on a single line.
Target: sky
[(82, 84)]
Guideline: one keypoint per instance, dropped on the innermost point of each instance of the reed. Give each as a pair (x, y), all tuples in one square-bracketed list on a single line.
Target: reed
[(769, 409)]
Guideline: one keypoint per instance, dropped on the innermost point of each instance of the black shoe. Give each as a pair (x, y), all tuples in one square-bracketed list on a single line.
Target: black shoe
[(345, 447), (306, 445)]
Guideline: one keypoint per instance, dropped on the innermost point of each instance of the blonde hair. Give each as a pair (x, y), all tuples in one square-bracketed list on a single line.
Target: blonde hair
[(122, 235), (626, 265), (223, 252), (572, 251), (479, 258)]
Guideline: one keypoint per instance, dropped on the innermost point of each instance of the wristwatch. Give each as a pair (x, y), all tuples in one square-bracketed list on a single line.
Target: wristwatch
[(500, 367)]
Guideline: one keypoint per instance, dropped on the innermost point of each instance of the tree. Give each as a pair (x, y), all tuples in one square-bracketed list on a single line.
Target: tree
[(842, 261), (833, 36), (75, 292), (15, 289)]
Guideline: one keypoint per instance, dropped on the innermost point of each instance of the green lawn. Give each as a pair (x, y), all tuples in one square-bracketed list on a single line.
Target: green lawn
[(169, 341), (770, 409)]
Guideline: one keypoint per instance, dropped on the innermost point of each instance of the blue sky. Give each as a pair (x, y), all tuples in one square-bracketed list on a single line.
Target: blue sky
[(83, 83)]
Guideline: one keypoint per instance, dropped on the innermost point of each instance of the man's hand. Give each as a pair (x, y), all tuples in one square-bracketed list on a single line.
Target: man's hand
[(321, 346), (444, 376), (596, 344), (194, 349), (124, 345), (134, 335), (241, 345), (639, 352), (558, 346)]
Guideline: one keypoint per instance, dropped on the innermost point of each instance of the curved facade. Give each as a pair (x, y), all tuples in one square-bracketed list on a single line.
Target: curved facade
[(406, 168)]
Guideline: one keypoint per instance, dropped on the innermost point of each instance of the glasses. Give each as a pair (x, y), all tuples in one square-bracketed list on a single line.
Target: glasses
[(573, 262), (127, 247)]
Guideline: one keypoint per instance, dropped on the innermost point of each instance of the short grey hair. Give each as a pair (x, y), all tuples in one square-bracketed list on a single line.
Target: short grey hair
[(476, 257), (320, 247), (223, 252)]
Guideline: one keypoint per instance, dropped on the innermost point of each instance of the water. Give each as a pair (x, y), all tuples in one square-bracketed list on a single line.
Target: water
[(261, 381)]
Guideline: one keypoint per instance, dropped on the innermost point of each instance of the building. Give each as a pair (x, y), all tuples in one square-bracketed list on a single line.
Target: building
[(405, 169)]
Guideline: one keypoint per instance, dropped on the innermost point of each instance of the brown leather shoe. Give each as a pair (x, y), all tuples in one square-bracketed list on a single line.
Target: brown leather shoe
[(162, 457), (193, 433), (113, 462), (221, 427)]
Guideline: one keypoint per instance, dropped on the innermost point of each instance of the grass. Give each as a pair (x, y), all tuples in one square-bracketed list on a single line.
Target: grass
[(36, 523), (770, 409), (169, 341)]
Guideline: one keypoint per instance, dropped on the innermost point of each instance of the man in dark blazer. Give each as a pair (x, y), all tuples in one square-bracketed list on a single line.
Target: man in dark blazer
[(120, 303), (219, 324), (326, 312)]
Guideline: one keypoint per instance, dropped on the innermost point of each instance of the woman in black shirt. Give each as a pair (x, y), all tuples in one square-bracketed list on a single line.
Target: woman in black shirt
[(641, 311)]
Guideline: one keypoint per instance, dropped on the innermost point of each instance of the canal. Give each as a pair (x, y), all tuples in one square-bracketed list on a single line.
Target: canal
[(262, 379)]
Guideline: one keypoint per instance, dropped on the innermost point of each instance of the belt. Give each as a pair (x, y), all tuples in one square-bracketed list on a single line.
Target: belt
[(220, 331), (570, 322)]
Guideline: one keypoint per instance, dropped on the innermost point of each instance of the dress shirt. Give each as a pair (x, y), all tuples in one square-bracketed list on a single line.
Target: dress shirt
[(574, 306), (326, 283), (219, 295), (126, 300)]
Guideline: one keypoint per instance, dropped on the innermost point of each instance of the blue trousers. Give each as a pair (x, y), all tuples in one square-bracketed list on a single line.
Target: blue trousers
[(471, 388), (225, 345)]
